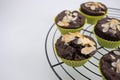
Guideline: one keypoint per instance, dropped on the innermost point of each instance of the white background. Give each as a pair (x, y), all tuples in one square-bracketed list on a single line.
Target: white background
[(23, 28)]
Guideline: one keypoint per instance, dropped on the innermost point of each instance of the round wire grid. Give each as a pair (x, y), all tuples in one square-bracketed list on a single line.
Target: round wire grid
[(89, 71)]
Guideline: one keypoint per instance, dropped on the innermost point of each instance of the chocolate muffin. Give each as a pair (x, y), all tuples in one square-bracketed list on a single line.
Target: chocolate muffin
[(110, 65), (68, 21), (93, 11), (107, 32), (93, 8), (75, 47), (108, 28)]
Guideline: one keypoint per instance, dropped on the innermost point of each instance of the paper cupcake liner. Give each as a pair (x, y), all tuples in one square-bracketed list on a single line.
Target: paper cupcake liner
[(65, 31), (92, 19), (105, 43), (101, 72), (72, 63)]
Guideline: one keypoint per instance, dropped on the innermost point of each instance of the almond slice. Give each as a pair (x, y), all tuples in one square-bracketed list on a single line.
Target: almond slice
[(67, 38), (79, 41), (114, 64), (105, 25), (92, 7), (118, 67), (99, 4), (117, 53), (105, 29), (112, 31), (75, 14), (113, 57), (62, 23), (88, 4), (118, 27), (87, 50), (67, 12)]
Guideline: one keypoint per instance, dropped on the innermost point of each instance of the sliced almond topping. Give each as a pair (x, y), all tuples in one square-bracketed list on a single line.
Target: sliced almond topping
[(112, 68), (67, 12), (93, 7), (74, 22), (105, 29), (118, 67), (88, 41), (88, 4), (109, 20), (85, 41), (73, 19), (77, 34), (114, 21), (75, 14), (105, 25), (117, 53), (68, 18), (114, 64), (71, 36), (67, 38), (101, 5), (113, 57), (87, 50), (62, 23), (118, 27), (112, 31), (79, 41), (112, 25)]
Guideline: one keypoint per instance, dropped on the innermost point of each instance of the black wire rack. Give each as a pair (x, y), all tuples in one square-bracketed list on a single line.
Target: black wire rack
[(90, 70)]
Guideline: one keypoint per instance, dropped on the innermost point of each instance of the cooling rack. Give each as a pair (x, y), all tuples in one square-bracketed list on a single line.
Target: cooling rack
[(89, 71)]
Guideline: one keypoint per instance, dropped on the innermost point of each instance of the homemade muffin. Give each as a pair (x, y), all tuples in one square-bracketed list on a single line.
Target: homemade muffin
[(110, 65), (68, 21), (75, 49), (93, 11), (107, 32)]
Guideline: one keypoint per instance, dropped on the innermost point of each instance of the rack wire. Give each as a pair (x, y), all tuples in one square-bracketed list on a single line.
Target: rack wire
[(90, 70)]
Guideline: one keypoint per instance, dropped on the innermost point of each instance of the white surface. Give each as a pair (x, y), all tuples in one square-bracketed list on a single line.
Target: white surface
[(23, 28)]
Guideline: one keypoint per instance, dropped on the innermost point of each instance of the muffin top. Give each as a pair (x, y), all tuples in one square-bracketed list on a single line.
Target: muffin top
[(75, 46), (110, 65), (70, 20), (108, 28), (93, 8)]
